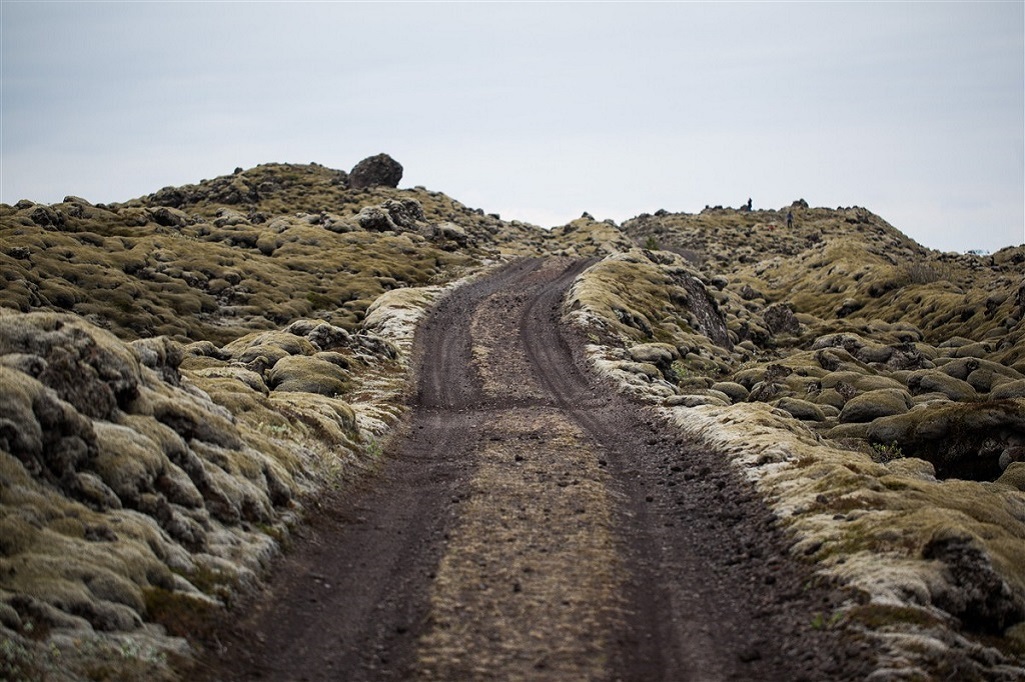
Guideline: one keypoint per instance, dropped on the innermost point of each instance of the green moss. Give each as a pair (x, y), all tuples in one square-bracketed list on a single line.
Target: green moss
[(319, 301), (21, 661), (881, 616), (182, 615), (16, 534), (209, 581), (179, 277), (822, 622), (118, 661)]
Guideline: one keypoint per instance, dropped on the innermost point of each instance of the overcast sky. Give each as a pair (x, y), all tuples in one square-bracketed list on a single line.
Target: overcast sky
[(537, 111)]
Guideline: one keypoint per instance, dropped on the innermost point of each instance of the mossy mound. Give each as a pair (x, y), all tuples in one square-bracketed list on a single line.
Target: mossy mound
[(950, 551), (639, 296), (143, 484), (250, 251), (870, 386), (585, 237), (816, 313), (178, 372), (116, 480)]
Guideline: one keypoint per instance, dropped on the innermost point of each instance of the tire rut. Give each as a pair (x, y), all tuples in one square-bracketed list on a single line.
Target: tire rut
[(530, 523)]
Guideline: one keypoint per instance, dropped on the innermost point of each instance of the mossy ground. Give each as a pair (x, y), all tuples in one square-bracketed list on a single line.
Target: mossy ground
[(853, 353), (179, 379), (181, 371)]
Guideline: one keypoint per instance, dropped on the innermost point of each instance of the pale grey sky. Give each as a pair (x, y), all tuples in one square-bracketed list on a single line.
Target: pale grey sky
[(537, 111)]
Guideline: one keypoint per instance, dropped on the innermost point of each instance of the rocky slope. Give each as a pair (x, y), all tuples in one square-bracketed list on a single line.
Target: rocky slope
[(874, 390), (180, 375)]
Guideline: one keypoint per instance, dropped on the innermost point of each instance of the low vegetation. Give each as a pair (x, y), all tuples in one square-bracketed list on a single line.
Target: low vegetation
[(871, 388), (182, 373)]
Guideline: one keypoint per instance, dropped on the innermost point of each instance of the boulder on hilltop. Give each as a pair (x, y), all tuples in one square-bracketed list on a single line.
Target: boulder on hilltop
[(375, 171)]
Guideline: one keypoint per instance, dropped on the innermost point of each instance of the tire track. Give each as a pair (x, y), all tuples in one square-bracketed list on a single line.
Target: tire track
[(713, 592), (660, 644), (529, 523), (529, 585), (350, 601)]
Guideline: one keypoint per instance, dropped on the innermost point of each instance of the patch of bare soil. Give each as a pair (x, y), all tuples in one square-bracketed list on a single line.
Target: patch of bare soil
[(529, 523)]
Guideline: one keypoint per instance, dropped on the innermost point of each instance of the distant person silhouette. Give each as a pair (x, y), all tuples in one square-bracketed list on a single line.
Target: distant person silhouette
[(790, 219)]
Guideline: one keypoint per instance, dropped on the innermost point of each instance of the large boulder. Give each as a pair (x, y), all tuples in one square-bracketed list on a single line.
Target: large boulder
[(934, 381), (393, 216), (973, 591), (780, 319), (1011, 389), (376, 219), (308, 375), (661, 355), (737, 393), (374, 171), (801, 409), (883, 402)]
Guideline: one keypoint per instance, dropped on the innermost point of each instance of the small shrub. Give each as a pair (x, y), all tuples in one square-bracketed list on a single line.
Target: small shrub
[(277, 430), (820, 622), (883, 453), (681, 370), (373, 448)]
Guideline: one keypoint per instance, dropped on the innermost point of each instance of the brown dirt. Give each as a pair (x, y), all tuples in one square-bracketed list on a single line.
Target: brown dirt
[(530, 523)]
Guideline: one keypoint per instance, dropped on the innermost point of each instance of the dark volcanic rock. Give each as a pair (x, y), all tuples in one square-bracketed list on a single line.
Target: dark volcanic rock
[(780, 319), (977, 595), (376, 170)]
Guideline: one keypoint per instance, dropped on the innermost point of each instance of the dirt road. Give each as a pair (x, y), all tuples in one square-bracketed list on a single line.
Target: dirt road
[(530, 524)]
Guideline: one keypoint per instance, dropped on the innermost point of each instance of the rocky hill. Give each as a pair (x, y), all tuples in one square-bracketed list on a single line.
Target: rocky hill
[(182, 374)]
